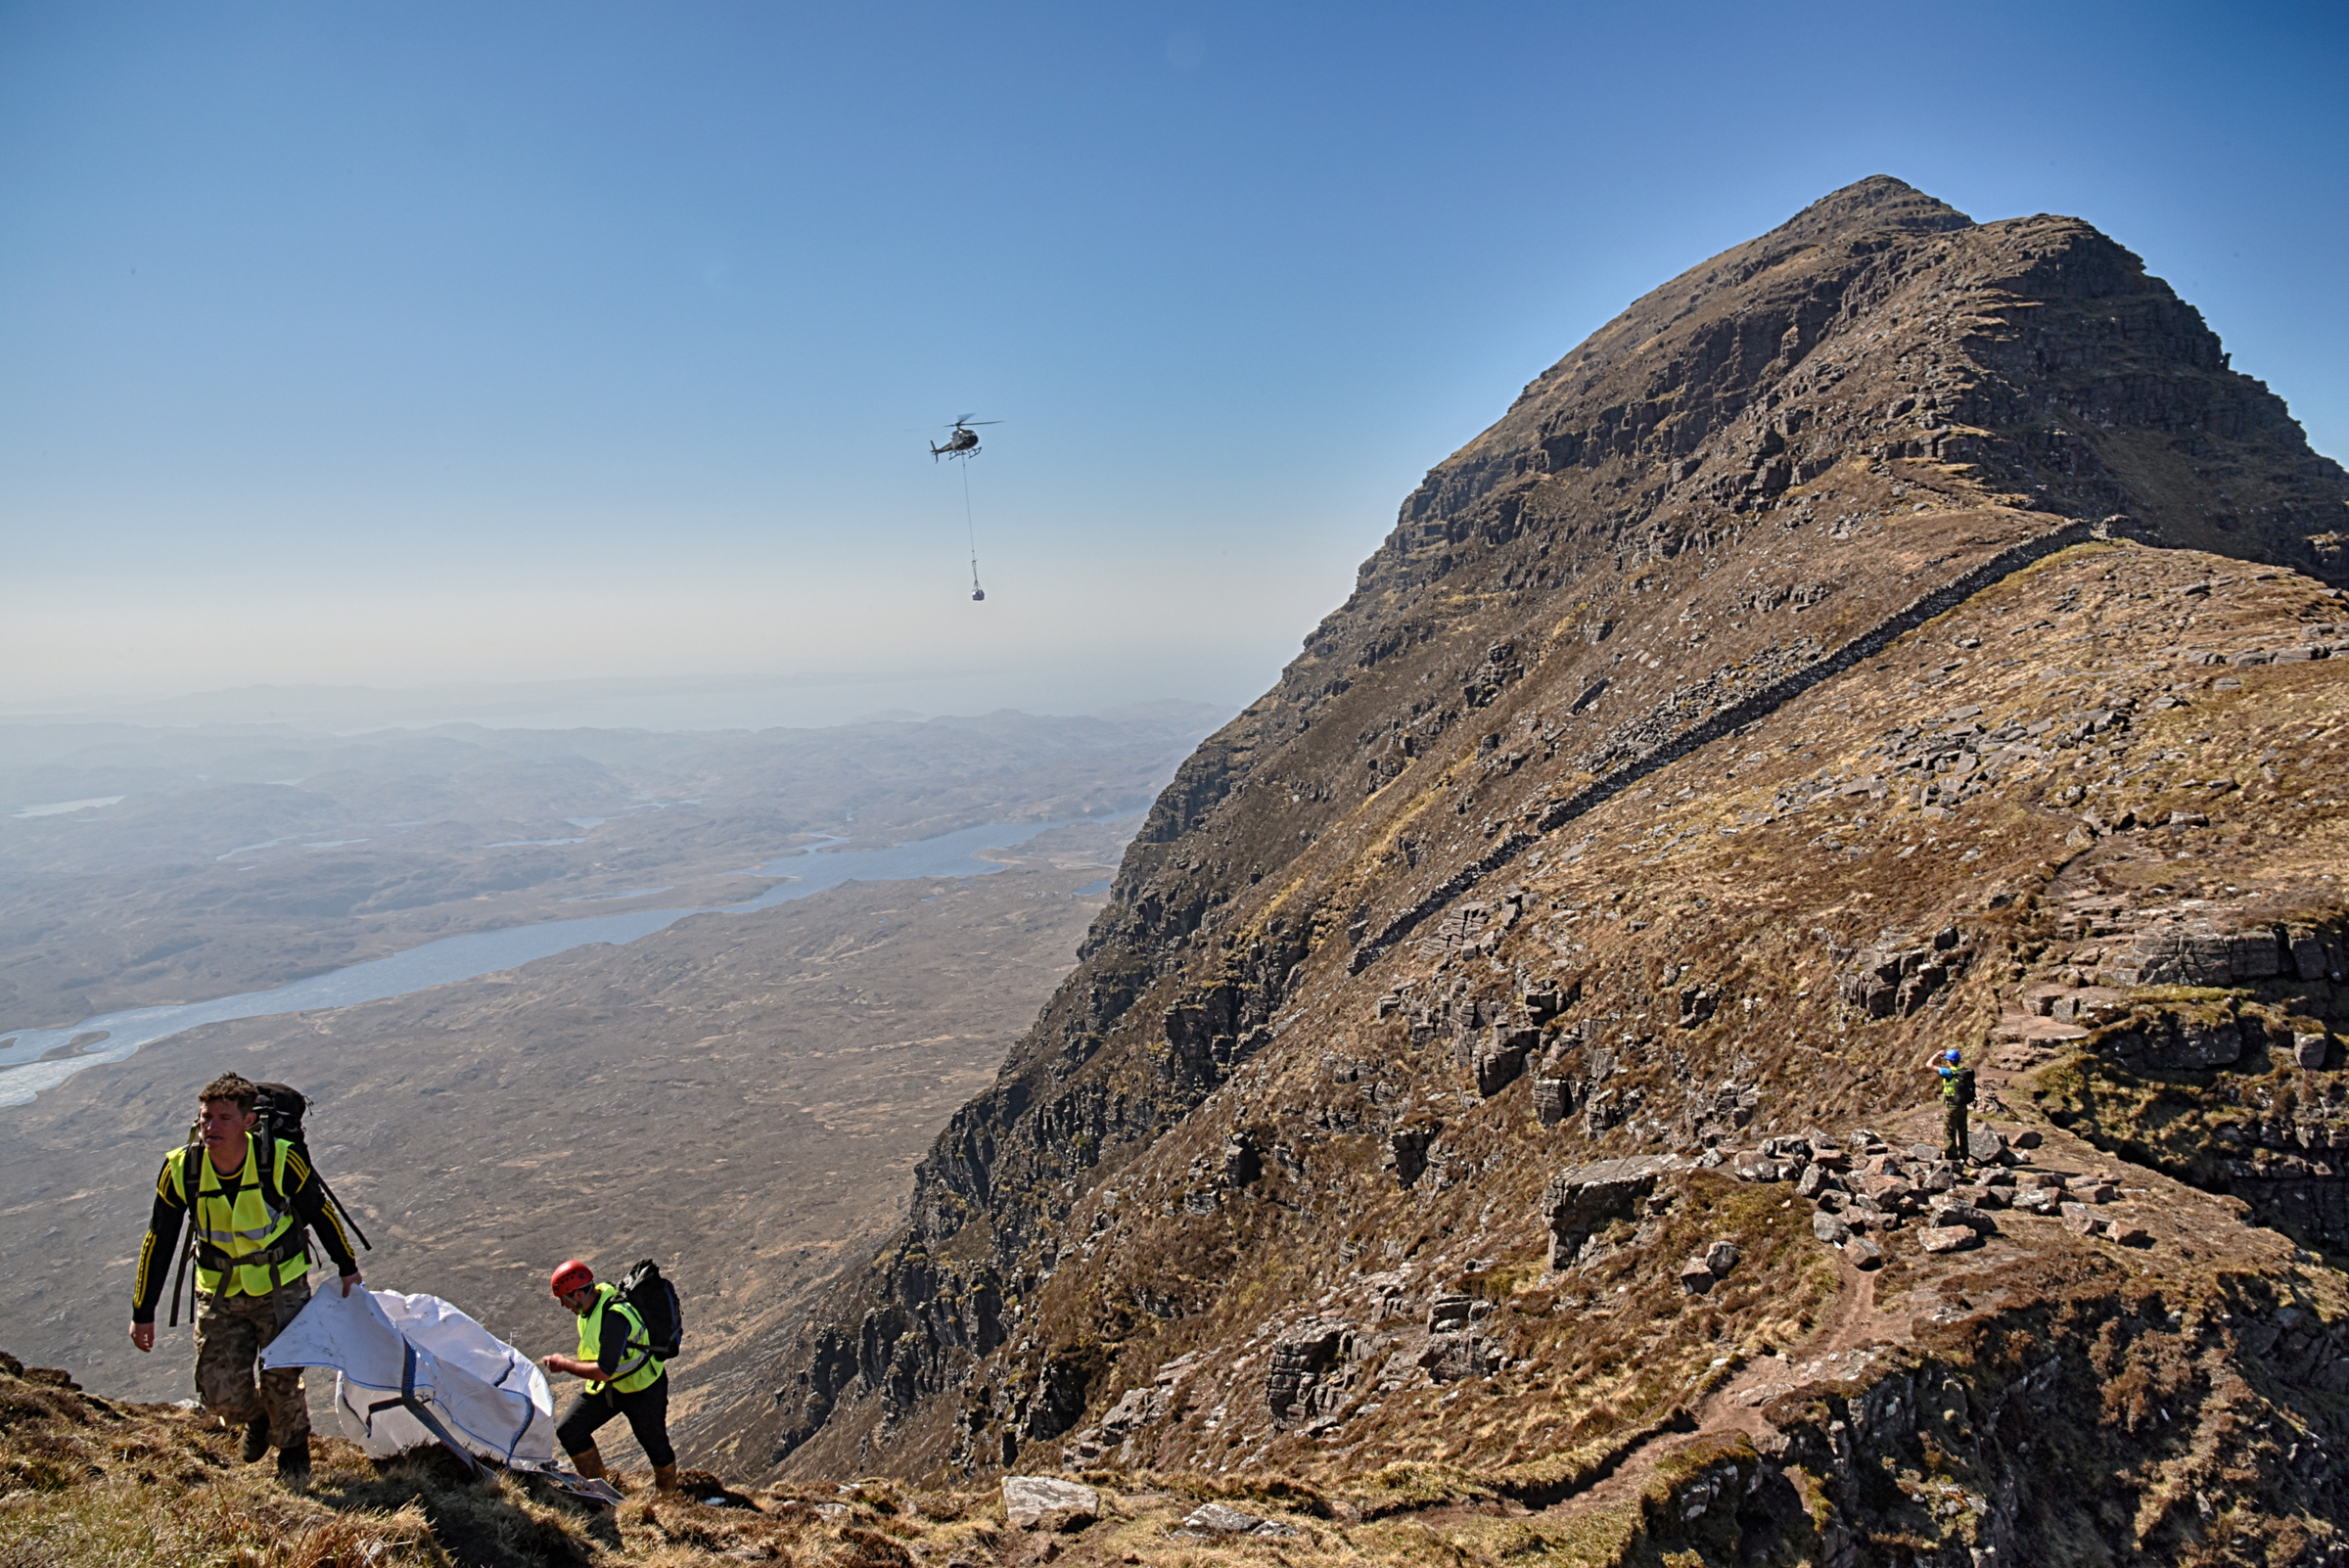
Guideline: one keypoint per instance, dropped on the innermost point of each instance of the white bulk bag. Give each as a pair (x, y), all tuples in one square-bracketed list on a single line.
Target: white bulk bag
[(412, 1369)]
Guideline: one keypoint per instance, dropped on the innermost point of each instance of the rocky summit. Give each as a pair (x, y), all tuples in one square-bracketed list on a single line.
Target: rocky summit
[(1493, 1115)]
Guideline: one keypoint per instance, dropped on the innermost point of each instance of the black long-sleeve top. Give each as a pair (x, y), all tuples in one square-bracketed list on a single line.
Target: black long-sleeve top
[(303, 1190)]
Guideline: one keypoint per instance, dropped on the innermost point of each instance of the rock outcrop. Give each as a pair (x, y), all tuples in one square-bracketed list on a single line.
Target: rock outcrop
[(1500, 1074)]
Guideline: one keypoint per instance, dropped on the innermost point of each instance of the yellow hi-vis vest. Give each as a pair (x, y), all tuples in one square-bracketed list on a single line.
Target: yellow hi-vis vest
[(228, 1232), (637, 1368)]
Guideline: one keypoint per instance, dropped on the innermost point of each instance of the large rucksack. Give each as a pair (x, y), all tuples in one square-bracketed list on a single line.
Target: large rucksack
[(279, 1108), (656, 1302), (1966, 1085)]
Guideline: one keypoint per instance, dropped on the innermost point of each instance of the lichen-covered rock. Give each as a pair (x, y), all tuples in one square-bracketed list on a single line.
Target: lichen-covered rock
[(1047, 1503), (1210, 1520)]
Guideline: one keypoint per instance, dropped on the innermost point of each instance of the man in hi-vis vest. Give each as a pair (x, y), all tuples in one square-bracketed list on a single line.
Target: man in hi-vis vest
[(623, 1376), (252, 1268)]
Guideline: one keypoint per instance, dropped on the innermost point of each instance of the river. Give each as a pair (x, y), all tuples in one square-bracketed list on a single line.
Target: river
[(33, 1060)]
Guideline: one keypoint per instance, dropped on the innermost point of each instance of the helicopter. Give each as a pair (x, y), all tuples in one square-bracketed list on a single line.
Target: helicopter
[(965, 441)]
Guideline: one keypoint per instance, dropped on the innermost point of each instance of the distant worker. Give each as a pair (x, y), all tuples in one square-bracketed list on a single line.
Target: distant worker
[(623, 1376), (1956, 1094), (254, 1206)]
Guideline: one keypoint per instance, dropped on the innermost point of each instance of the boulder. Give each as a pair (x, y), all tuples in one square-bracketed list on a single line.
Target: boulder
[(1721, 1257), (1406, 1151), (1586, 1197), (1499, 1057), (1212, 1519), (2174, 956), (1884, 1191), (1864, 1252), (1696, 1277), (2309, 1050), (1450, 1357), (1985, 1146), (1964, 1214), (1830, 1230), (1044, 1502), (1301, 1360), (1447, 1313), (1949, 1238)]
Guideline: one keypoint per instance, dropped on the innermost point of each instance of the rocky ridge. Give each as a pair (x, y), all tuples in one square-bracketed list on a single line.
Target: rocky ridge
[(1497, 1080)]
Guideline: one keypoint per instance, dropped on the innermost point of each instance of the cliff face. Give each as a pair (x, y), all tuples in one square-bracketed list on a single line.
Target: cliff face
[(1895, 632)]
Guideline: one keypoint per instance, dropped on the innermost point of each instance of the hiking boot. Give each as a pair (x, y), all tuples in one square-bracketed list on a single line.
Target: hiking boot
[(256, 1439), (293, 1464)]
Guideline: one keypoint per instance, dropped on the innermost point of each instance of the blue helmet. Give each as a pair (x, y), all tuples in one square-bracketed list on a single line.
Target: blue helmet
[(1950, 1056)]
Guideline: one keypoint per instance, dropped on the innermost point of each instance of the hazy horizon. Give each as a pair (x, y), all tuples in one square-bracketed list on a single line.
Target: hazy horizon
[(815, 701)]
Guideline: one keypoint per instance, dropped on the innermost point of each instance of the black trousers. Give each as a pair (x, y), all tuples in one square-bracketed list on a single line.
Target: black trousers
[(647, 1411)]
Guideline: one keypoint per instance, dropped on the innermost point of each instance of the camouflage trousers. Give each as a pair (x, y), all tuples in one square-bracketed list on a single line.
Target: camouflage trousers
[(230, 1335)]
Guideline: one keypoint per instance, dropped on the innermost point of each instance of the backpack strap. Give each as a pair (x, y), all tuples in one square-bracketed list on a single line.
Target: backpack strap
[(187, 1248), (631, 1327)]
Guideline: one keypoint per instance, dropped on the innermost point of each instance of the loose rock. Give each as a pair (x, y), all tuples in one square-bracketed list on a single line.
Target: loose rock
[(1211, 1520), (1044, 1502)]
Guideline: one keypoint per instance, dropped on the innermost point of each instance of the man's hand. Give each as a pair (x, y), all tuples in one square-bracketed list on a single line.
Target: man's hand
[(143, 1336), (350, 1279), (570, 1365)]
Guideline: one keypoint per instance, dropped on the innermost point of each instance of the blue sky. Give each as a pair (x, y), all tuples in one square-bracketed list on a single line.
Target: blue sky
[(429, 344)]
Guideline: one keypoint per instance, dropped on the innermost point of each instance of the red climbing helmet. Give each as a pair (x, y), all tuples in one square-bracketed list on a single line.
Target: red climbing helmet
[(572, 1275)]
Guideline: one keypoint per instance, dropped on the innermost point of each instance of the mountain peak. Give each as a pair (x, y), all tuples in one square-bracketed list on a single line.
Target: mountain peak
[(1778, 691), (1872, 205)]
